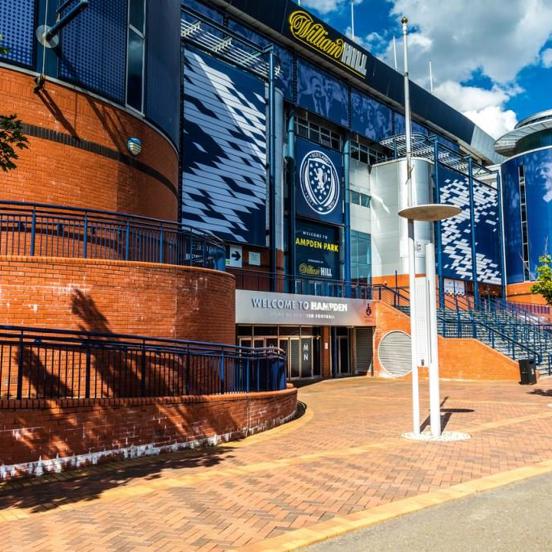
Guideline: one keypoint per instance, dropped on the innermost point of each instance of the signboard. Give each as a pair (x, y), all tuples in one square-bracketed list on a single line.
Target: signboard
[(454, 287), (235, 256), (327, 42), (258, 307), (254, 258), (317, 251), (318, 188)]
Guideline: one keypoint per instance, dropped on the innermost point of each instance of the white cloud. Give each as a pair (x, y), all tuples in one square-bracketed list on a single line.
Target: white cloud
[(473, 37), (484, 107), (546, 58), (326, 6)]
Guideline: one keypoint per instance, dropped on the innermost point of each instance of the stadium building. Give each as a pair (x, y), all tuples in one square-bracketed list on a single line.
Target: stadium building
[(208, 204)]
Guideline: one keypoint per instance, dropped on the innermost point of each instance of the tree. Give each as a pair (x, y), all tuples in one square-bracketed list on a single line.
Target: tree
[(543, 285), (11, 137), (11, 134)]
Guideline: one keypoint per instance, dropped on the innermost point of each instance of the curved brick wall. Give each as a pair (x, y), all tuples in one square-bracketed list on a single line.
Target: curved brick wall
[(78, 153), (89, 431), (117, 296)]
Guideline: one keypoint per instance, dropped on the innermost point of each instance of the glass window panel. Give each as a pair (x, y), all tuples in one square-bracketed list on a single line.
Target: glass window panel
[(136, 14), (135, 70)]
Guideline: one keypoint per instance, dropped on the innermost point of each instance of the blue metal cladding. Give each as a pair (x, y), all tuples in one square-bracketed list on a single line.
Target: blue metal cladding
[(201, 8), (537, 168), (224, 181), (318, 189), (163, 67), (284, 62), (370, 118), (93, 49), (456, 232), (512, 220), (321, 94), (17, 21)]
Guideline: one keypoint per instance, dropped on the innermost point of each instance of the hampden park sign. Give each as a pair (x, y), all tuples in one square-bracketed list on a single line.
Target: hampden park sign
[(261, 307), (303, 27)]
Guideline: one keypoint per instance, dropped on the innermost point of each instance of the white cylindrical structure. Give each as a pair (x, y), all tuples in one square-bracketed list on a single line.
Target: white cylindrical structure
[(411, 238), (434, 393)]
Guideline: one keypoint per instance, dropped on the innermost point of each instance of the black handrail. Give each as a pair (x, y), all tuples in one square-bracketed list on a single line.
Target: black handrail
[(38, 229), (42, 363)]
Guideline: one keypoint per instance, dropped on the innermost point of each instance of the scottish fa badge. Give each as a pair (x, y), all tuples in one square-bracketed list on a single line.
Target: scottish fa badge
[(319, 182)]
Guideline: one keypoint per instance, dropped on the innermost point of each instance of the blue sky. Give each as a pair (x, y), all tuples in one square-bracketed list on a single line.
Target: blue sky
[(492, 59)]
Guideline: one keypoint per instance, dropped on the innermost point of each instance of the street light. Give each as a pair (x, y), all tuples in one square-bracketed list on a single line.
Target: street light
[(428, 317)]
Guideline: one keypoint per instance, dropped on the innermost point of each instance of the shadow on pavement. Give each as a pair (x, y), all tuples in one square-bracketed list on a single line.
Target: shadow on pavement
[(88, 485)]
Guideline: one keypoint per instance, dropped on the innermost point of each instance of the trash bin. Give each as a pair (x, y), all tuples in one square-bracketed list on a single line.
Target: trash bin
[(528, 371)]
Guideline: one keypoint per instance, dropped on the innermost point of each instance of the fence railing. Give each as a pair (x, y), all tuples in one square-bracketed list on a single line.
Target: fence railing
[(57, 231), (38, 363), (254, 280)]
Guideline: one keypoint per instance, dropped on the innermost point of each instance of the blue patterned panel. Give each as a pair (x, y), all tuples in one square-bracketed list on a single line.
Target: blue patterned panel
[(487, 233), (94, 49), (456, 232), (17, 18), (285, 59), (512, 221), (321, 94), (370, 118), (224, 150)]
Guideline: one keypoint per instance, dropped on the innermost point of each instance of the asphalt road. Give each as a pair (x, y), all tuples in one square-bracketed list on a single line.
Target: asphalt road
[(517, 518)]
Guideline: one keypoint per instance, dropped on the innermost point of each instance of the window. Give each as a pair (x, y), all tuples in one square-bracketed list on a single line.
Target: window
[(361, 267), (136, 54), (524, 227), (366, 154), (358, 198), (319, 134)]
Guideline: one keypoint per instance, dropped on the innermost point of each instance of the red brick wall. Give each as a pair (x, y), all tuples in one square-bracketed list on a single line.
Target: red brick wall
[(458, 358), (38, 429), (49, 172), (119, 297)]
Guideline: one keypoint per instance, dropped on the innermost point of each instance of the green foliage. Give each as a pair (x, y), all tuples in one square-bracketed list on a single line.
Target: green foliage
[(543, 285), (3, 49), (11, 138)]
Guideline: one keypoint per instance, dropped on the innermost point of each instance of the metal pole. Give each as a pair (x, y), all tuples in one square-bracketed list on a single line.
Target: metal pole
[(434, 399), (438, 226), (290, 173), (501, 243), (411, 238), (353, 19), (472, 228), (272, 166), (347, 228)]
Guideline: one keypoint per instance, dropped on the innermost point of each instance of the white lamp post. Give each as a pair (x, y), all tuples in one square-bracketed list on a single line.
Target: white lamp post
[(427, 315)]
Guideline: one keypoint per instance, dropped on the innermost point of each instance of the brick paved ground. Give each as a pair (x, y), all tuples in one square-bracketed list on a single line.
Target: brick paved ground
[(344, 456)]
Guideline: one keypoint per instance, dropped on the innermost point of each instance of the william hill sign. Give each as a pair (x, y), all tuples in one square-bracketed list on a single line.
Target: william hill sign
[(303, 27)]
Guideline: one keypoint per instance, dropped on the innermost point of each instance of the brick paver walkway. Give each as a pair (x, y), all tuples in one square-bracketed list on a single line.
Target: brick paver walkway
[(344, 456)]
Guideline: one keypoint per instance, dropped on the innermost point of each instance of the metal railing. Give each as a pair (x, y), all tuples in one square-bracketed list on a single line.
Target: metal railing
[(464, 322), (254, 280), (57, 231), (38, 363)]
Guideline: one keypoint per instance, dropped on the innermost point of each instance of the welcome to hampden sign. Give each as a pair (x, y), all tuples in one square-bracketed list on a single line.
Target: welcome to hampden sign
[(262, 307), (303, 27)]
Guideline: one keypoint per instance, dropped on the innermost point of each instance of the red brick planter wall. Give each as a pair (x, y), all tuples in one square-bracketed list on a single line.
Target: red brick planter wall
[(78, 175), (119, 297), (80, 432)]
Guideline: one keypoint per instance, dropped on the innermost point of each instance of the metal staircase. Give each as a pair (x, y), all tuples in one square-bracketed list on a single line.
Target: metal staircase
[(510, 329)]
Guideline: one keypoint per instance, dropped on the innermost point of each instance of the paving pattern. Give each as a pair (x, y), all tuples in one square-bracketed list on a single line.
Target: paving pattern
[(343, 458)]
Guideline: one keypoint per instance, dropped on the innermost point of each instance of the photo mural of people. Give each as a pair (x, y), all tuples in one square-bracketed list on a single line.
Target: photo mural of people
[(370, 118), (321, 94)]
